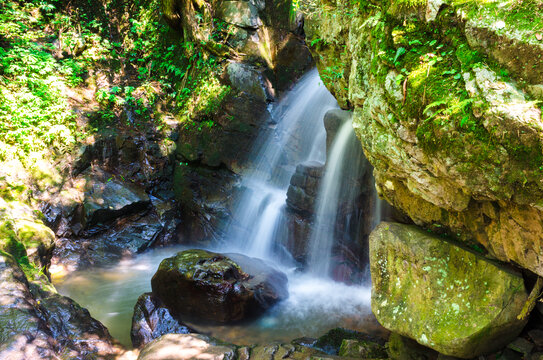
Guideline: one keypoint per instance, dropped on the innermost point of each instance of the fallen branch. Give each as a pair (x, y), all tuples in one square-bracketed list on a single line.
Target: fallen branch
[(404, 91), (532, 299)]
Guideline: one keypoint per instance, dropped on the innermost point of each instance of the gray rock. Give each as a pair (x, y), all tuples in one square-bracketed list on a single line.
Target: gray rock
[(333, 120), (522, 346), (304, 185), (537, 337), (186, 347), (109, 199), (247, 79)]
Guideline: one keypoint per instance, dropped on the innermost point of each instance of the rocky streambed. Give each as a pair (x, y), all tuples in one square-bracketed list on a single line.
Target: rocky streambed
[(447, 116)]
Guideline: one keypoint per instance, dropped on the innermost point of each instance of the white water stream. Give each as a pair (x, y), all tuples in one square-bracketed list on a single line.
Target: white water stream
[(297, 135), (343, 164)]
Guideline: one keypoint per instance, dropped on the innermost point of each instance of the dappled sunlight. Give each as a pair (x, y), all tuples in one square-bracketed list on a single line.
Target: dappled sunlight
[(182, 347)]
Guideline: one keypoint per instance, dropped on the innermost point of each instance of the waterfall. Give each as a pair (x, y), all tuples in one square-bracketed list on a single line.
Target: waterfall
[(316, 303), (295, 135), (340, 185)]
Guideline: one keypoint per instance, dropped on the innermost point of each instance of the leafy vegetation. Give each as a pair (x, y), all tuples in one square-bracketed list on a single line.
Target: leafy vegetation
[(50, 53)]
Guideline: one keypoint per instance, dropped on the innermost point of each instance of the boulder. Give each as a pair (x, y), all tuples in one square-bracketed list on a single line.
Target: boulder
[(443, 296), (185, 347), (36, 323), (151, 320), (304, 185), (109, 199), (247, 79), (221, 288)]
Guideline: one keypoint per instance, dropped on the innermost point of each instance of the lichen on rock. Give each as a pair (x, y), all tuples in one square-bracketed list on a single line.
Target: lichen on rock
[(441, 295)]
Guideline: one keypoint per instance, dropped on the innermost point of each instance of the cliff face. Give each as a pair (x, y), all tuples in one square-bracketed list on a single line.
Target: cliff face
[(445, 106)]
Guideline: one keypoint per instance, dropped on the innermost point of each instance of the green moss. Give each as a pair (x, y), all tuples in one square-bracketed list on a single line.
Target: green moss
[(404, 7), (524, 16)]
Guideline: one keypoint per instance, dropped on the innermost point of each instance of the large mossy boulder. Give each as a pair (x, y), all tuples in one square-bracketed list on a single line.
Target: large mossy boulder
[(216, 287), (441, 295)]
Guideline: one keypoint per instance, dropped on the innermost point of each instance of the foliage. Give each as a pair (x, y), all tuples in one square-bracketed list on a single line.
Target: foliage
[(48, 51)]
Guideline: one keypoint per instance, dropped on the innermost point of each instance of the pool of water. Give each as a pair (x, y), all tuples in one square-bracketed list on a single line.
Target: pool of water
[(315, 305)]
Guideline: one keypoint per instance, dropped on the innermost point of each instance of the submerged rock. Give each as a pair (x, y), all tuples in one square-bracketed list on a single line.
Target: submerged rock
[(217, 287), (151, 320), (186, 346), (340, 341), (443, 296), (362, 349)]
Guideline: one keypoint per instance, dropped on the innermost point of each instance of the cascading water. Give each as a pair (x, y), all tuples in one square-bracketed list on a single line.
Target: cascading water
[(296, 137), (315, 304), (344, 165)]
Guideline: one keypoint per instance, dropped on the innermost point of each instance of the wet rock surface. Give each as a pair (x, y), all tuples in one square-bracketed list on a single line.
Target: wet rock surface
[(152, 319), (38, 324), (304, 186), (216, 287), (443, 296), (118, 203), (192, 346)]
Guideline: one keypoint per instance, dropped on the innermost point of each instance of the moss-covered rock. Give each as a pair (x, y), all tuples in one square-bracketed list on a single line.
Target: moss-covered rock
[(24, 235), (443, 296), (444, 109), (362, 349), (216, 287), (402, 348)]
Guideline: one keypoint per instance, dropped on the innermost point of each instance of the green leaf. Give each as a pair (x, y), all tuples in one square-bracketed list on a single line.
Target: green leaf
[(399, 53), (433, 105)]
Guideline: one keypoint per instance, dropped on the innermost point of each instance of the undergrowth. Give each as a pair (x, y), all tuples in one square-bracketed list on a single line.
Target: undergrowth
[(51, 50)]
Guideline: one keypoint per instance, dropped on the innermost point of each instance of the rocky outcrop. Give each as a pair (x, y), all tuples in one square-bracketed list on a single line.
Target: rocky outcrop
[(115, 200), (36, 323), (443, 296), (443, 106), (151, 320), (220, 288)]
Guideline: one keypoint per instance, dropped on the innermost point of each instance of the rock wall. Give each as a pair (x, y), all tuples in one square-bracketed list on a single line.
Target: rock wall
[(444, 98)]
